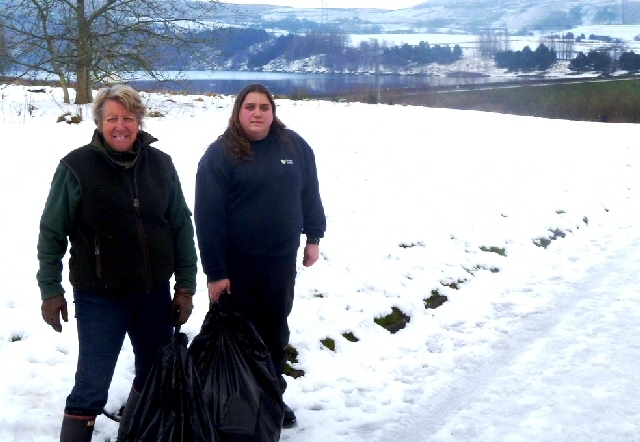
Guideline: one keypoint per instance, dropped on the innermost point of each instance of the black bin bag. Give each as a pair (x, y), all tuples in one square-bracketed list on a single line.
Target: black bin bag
[(238, 378), (171, 406)]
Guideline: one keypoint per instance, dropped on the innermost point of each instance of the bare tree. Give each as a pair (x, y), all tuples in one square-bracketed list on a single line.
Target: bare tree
[(491, 41), (92, 41), (566, 46), (4, 52), (563, 45)]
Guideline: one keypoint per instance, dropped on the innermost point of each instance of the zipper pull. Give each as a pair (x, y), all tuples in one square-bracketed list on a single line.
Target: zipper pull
[(136, 204), (97, 250)]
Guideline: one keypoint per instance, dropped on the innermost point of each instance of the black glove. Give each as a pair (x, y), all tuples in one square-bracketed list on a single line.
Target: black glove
[(182, 306), (51, 310)]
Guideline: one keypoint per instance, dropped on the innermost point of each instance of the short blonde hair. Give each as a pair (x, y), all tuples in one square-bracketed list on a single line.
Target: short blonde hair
[(123, 94)]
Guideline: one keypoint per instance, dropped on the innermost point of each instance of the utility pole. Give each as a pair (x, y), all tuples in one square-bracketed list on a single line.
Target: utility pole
[(324, 15), (622, 11)]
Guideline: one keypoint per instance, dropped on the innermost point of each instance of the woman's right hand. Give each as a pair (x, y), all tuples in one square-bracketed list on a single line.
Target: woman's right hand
[(52, 309), (217, 288)]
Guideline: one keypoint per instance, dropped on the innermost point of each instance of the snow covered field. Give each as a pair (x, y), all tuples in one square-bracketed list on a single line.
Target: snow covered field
[(472, 62), (534, 344), (468, 42)]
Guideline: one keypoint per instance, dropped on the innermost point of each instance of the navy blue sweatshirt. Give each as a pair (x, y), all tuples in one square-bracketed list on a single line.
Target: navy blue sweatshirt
[(256, 209)]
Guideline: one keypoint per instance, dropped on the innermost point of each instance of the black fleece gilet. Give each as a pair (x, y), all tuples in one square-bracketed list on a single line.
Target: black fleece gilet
[(121, 240)]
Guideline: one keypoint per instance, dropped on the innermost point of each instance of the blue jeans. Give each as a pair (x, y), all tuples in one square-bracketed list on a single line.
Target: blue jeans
[(103, 321)]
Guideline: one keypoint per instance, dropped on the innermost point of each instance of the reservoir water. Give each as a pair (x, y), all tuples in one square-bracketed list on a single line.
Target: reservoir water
[(231, 82)]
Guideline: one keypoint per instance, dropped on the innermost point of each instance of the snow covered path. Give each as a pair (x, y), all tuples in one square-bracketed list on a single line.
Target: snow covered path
[(570, 373)]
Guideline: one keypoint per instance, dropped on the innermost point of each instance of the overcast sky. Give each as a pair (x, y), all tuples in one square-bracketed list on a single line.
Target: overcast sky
[(383, 4)]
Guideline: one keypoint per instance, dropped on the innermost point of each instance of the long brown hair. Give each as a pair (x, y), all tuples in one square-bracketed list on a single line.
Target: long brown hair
[(234, 137)]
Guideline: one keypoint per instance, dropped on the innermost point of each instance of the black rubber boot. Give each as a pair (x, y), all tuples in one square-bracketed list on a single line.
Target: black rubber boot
[(127, 414), (290, 419), (289, 416), (77, 428)]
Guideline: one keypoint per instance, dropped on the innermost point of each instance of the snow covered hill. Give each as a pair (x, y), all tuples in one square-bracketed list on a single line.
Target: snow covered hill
[(462, 15)]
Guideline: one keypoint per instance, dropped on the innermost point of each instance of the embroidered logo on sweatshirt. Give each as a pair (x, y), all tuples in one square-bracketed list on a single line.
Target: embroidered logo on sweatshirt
[(286, 161)]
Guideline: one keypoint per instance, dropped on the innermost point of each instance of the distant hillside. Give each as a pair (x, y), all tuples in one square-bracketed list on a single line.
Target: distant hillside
[(437, 15)]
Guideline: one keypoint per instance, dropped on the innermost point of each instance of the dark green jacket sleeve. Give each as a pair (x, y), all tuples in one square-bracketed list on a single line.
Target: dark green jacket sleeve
[(186, 258), (55, 224)]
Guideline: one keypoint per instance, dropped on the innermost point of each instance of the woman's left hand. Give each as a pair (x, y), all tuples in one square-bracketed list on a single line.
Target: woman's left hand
[(311, 254)]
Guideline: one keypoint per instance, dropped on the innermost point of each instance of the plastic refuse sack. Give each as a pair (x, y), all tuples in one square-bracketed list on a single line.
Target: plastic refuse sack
[(171, 406), (238, 377)]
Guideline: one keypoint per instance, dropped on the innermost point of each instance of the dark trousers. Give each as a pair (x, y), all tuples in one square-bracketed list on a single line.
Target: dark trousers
[(103, 321), (263, 292)]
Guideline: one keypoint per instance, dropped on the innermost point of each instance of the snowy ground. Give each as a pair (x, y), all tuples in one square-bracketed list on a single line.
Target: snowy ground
[(566, 373), (538, 345)]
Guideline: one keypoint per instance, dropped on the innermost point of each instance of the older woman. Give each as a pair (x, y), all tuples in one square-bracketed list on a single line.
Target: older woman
[(257, 192), (119, 202)]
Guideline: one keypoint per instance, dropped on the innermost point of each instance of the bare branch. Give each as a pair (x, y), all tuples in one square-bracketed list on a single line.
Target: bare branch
[(92, 41)]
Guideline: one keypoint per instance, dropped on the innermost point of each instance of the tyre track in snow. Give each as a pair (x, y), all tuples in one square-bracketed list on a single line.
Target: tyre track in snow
[(571, 373)]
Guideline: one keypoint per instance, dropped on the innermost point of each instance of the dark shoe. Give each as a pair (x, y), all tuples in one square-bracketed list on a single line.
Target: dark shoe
[(77, 428), (289, 420), (127, 413), (282, 383)]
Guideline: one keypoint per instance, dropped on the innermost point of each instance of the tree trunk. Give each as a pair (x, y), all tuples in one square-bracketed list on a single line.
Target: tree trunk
[(83, 62), (64, 84)]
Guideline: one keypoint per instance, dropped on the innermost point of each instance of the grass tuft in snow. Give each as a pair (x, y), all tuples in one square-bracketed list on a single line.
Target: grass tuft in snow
[(393, 322), (544, 242), (349, 336), (499, 250), (435, 300), (329, 343), (68, 118), (155, 114), (292, 358)]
